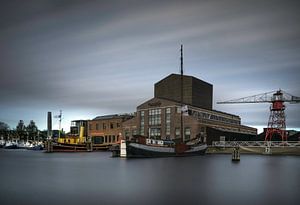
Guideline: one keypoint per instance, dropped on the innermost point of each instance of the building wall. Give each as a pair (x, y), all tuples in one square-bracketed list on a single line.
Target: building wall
[(197, 122), (110, 129), (195, 91), (202, 93), (129, 128)]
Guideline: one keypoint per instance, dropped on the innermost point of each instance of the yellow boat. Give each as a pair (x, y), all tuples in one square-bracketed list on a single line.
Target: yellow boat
[(79, 141)]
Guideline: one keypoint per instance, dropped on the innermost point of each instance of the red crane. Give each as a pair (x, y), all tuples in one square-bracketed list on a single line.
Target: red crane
[(276, 124)]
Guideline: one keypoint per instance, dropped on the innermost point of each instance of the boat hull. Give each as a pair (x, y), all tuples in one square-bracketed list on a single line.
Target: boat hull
[(135, 150), (59, 147), (11, 147)]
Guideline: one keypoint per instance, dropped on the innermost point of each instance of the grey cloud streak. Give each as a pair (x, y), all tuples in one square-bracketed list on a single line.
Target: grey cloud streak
[(103, 56)]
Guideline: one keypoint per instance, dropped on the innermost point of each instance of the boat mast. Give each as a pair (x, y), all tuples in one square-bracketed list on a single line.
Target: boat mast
[(181, 93), (59, 117)]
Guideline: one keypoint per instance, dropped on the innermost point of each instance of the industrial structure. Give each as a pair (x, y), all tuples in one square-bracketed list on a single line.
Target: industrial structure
[(160, 117), (277, 121)]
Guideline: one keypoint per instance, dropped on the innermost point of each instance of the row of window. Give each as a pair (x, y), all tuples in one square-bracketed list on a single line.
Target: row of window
[(155, 117), (155, 133), (103, 126), (203, 115), (142, 131), (110, 138), (168, 122)]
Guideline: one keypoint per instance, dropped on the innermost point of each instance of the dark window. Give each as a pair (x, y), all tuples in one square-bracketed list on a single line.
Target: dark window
[(111, 125)]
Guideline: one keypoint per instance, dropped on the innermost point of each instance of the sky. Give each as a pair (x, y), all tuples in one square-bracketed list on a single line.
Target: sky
[(90, 58)]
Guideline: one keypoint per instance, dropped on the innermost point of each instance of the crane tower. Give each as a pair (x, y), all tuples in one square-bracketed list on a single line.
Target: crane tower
[(277, 122)]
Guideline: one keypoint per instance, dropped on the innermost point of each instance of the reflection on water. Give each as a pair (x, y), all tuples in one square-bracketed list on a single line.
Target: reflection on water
[(29, 177)]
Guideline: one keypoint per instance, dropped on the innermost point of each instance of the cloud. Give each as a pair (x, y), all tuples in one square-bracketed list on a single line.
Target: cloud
[(105, 56)]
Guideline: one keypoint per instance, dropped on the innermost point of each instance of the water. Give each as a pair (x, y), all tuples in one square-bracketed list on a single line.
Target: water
[(34, 177)]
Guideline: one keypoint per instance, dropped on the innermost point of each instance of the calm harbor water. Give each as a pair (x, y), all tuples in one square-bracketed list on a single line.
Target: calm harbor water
[(30, 177)]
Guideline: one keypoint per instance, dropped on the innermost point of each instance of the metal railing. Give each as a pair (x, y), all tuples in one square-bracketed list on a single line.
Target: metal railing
[(256, 143)]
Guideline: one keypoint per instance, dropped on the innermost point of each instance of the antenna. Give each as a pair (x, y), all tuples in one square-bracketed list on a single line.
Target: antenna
[(181, 60), (181, 91), (60, 117)]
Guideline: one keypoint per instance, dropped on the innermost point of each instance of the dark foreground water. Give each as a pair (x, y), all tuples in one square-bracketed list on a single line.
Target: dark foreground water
[(30, 177)]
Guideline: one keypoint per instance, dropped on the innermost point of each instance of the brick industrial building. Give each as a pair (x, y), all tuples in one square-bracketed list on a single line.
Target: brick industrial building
[(107, 129), (159, 117)]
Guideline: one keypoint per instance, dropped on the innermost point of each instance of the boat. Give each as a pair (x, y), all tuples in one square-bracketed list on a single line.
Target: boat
[(2, 142), (35, 146), (77, 140), (11, 145), (142, 146), (145, 148)]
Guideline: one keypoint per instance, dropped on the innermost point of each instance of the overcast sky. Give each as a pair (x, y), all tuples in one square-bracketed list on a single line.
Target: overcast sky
[(93, 58)]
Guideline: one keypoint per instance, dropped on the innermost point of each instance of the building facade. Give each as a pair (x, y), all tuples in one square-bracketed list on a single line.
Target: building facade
[(108, 128), (195, 91), (160, 117)]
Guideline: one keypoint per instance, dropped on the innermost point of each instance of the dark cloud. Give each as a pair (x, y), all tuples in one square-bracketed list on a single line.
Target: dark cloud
[(101, 57)]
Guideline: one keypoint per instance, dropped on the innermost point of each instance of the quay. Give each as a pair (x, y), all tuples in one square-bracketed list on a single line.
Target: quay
[(255, 147)]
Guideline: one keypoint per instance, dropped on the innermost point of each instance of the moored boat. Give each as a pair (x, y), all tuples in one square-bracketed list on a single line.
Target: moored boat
[(78, 141), (143, 148), (2, 143), (11, 145)]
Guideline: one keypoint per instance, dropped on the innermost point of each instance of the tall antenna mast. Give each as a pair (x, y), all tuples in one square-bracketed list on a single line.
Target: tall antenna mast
[(59, 117), (181, 92)]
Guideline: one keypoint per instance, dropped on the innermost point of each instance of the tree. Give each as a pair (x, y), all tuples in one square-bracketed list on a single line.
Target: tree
[(4, 130), (32, 130), (21, 130), (4, 126)]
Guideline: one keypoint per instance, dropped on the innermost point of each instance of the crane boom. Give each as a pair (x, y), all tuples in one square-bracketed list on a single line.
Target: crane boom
[(276, 124), (268, 97)]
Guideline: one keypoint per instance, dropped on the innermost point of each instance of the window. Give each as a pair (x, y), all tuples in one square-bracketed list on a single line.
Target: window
[(168, 122), (104, 126), (178, 110), (177, 132), (187, 133), (142, 130), (202, 129), (111, 125), (118, 125), (113, 138), (127, 134), (90, 126), (155, 117), (155, 133), (97, 126)]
